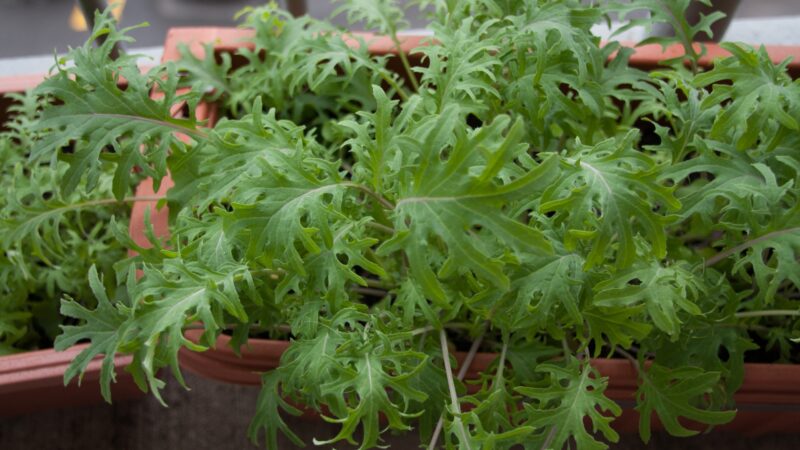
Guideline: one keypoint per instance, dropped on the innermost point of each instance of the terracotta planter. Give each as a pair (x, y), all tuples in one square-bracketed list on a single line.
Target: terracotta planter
[(769, 400), (34, 381)]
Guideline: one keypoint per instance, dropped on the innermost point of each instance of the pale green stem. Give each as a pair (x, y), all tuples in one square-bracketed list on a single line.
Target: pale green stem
[(381, 227), (456, 409), (451, 386), (630, 358), (498, 379), (550, 436), (406, 64), (371, 193), (391, 82), (745, 245), (462, 372), (91, 203), (768, 312)]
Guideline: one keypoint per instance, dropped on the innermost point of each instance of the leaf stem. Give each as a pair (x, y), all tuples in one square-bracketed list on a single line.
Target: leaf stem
[(404, 59), (747, 244), (768, 312), (683, 35), (550, 436), (498, 378), (370, 291), (473, 350), (462, 372), (381, 227), (371, 193), (90, 203), (378, 284), (449, 372), (630, 358), (391, 82), (111, 201)]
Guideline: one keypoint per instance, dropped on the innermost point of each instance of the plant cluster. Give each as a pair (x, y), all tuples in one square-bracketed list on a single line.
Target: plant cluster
[(49, 239), (521, 190)]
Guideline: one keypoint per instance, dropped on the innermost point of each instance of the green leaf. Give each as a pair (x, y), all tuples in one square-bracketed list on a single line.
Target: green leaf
[(673, 13), (268, 415), (385, 16), (460, 70), (771, 254), (367, 376), (575, 393), (760, 99), (664, 291), (674, 393), (107, 327), (620, 326), (608, 193), (554, 284), (169, 297), (107, 122), (440, 202), (702, 348)]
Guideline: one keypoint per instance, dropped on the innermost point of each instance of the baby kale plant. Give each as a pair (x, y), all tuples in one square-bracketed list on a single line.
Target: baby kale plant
[(521, 190)]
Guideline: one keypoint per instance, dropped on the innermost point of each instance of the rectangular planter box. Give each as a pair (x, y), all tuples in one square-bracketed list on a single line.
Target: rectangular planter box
[(768, 401), (34, 381)]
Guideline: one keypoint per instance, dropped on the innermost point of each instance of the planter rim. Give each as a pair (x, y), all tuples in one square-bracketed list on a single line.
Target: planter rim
[(763, 383), (34, 381), (645, 56), (230, 38), (20, 83), (20, 371)]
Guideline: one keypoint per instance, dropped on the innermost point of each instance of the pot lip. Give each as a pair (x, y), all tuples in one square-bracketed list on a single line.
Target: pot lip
[(38, 368), (261, 343), (20, 83), (260, 354), (230, 38), (34, 381)]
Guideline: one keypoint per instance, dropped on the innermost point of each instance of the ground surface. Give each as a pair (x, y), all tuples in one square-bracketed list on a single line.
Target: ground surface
[(215, 416)]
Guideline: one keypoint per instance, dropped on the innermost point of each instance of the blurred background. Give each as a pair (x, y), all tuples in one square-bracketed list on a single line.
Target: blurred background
[(32, 30)]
